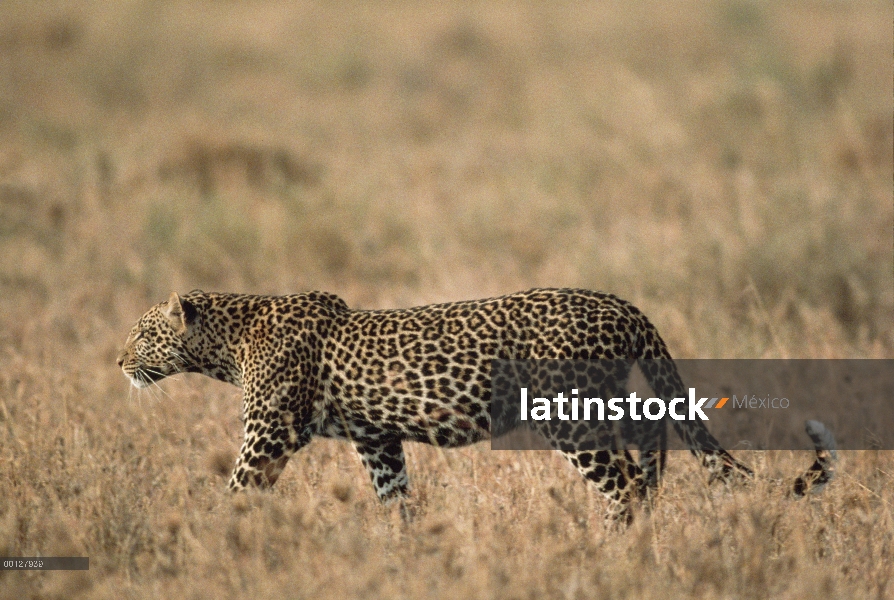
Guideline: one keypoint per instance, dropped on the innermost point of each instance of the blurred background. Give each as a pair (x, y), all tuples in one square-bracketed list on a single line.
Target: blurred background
[(726, 165)]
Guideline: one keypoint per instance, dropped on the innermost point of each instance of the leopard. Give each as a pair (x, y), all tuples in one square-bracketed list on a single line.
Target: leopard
[(310, 366)]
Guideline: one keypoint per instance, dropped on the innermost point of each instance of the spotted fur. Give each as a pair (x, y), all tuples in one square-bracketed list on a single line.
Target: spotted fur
[(309, 365)]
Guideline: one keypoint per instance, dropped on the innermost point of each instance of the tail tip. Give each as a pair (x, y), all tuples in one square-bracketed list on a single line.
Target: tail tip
[(823, 469), (821, 436)]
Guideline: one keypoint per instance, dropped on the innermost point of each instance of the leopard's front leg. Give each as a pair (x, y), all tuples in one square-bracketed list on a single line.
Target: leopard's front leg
[(274, 431), (261, 462)]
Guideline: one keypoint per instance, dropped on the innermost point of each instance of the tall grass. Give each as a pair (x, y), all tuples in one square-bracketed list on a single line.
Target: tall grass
[(725, 165)]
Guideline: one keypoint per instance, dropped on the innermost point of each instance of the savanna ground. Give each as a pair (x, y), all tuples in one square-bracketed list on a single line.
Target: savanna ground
[(725, 165)]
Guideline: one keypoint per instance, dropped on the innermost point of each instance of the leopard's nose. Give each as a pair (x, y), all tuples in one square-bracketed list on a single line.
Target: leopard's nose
[(120, 359)]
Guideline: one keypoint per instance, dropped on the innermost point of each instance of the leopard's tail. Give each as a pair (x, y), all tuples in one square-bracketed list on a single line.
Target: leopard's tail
[(823, 468), (666, 382), (662, 376)]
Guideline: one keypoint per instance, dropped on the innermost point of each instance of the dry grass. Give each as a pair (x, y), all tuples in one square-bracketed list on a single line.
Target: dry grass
[(726, 165)]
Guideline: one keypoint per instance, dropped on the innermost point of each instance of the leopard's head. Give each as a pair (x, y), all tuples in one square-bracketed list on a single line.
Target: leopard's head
[(158, 345)]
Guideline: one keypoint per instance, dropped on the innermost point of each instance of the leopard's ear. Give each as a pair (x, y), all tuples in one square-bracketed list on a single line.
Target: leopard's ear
[(179, 312)]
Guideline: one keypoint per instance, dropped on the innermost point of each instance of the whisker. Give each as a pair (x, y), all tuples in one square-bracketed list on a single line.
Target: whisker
[(162, 375), (162, 390), (152, 390), (154, 396), (179, 356), (155, 388), (176, 368)]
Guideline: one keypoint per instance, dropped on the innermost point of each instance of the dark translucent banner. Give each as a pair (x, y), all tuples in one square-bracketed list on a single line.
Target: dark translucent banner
[(745, 404)]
